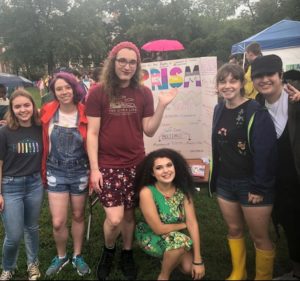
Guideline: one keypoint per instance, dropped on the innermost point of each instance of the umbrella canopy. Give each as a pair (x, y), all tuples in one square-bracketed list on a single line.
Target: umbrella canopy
[(10, 80), (163, 46)]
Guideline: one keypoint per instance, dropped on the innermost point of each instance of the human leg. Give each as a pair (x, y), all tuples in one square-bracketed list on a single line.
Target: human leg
[(258, 221), (171, 259), (233, 217), (12, 215), (127, 263), (112, 228), (58, 204), (78, 227), (32, 208)]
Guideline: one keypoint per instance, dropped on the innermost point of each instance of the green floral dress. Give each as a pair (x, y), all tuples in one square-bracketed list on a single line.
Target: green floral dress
[(171, 211)]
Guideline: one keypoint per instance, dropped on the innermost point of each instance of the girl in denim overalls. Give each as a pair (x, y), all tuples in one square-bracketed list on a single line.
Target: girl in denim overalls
[(65, 168)]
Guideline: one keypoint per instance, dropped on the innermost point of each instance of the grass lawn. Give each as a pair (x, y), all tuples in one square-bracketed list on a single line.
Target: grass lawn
[(213, 243)]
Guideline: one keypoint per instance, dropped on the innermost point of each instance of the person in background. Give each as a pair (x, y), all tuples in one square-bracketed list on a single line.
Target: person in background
[(119, 111), (65, 168), (165, 188), (84, 87), (234, 59), (4, 104), (282, 103), (21, 188), (243, 172), (253, 51)]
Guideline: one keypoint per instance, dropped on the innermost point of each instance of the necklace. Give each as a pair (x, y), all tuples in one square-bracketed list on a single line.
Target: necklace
[(167, 194)]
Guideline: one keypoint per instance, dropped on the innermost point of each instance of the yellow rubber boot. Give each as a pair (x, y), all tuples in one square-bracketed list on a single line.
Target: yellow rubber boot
[(238, 259), (264, 264)]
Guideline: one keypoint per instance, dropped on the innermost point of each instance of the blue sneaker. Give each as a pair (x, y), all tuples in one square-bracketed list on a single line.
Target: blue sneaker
[(81, 266), (56, 265)]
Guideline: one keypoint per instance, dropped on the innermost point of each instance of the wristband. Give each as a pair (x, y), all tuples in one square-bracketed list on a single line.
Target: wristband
[(198, 263)]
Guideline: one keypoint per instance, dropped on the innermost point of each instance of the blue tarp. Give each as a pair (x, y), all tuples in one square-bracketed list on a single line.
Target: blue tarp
[(283, 34)]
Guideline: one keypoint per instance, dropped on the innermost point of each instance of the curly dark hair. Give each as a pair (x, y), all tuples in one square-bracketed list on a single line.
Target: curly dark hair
[(183, 179)]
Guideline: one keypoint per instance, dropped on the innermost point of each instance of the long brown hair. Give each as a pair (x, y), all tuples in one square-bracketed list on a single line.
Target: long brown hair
[(111, 82), (12, 121)]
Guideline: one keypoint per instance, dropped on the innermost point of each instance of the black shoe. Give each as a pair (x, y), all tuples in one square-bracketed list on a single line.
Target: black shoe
[(105, 263), (127, 265)]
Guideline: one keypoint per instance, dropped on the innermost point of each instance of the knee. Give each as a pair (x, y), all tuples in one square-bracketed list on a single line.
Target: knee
[(78, 217), (58, 224), (115, 221), (235, 231)]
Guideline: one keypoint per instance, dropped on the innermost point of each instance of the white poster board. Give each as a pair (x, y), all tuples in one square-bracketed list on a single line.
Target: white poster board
[(187, 121)]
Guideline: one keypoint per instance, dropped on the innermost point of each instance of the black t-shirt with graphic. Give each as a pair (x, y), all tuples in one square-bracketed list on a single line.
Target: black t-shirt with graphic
[(21, 150), (232, 144)]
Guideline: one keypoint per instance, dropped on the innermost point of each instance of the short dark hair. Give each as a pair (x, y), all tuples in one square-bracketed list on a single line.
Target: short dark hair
[(254, 48), (235, 70)]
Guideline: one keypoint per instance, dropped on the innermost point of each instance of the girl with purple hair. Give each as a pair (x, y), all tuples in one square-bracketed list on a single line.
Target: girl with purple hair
[(65, 168)]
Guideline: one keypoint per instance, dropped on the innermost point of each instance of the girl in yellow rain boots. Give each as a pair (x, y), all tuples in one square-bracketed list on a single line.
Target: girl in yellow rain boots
[(243, 171)]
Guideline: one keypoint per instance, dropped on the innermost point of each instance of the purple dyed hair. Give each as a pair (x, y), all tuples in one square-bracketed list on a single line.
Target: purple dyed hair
[(71, 80)]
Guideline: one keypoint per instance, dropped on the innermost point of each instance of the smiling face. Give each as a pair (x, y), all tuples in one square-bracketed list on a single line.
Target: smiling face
[(23, 110), (125, 66), (63, 92), (270, 85), (164, 170), (230, 88)]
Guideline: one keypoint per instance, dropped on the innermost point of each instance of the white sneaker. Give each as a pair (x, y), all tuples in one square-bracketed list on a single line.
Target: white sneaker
[(6, 275), (33, 271)]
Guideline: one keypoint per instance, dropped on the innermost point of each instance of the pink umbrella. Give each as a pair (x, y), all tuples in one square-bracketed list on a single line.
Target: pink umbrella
[(163, 46)]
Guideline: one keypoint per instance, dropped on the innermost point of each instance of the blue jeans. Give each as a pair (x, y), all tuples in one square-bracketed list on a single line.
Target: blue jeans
[(23, 197)]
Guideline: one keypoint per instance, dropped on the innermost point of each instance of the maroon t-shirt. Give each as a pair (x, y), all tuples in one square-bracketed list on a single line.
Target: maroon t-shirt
[(121, 143)]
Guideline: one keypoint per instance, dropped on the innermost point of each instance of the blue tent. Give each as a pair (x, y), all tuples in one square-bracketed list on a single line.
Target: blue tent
[(283, 34)]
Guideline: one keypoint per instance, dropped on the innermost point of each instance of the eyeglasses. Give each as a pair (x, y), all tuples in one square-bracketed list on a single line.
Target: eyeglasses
[(123, 62)]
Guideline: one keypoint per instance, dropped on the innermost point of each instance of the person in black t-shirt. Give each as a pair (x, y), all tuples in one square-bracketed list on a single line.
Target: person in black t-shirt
[(21, 188), (243, 172)]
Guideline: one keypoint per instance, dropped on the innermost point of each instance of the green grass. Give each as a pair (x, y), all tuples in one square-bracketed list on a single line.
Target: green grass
[(213, 243)]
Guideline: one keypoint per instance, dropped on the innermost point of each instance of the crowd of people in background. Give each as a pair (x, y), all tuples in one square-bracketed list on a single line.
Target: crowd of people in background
[(86, 139)]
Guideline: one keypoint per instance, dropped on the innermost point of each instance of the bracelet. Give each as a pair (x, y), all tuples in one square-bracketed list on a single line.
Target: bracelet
[(198, 263)]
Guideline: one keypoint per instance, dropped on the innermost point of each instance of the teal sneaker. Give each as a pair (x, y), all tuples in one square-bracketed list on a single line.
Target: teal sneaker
[(81, 266), (56, 265)]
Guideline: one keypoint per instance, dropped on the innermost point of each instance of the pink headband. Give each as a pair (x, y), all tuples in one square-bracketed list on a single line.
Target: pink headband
[(125, 45)]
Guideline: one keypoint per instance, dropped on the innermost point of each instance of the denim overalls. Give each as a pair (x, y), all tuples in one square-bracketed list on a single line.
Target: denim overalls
[(67, 163)]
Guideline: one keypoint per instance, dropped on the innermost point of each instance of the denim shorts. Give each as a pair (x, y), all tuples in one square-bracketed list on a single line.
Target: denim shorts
[(73, 180), (237, 190), (118, 187)]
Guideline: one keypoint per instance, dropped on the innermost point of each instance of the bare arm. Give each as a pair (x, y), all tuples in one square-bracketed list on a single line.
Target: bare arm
[(1, 197), (92, 150), (151, 215), (198, 271), (193, 228), (151, 124)]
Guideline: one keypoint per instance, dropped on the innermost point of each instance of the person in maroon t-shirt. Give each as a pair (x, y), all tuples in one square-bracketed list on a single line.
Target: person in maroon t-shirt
[(119, 111)]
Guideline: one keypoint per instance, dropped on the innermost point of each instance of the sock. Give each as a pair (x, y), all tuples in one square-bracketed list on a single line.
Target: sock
[(110, 249), (61, 258)]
